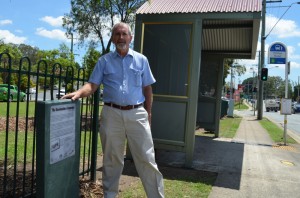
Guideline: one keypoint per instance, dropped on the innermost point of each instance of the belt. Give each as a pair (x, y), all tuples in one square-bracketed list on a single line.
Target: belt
[(128, 107)]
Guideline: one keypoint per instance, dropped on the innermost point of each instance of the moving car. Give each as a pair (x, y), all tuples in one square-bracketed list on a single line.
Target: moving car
[(271, 105), (31, 90), (13, 93), (295, 107)]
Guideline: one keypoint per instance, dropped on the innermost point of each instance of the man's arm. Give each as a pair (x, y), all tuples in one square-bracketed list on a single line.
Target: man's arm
[(148, 100), (85, 91)]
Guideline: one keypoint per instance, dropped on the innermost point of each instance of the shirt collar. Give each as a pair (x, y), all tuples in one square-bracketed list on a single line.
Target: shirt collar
[(130, 52)]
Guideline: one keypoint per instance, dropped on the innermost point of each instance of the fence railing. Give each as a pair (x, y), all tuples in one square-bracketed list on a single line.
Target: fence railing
[(17, 120)]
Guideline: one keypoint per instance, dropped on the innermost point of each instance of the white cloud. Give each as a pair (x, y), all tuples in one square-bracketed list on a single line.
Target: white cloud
[(8, 37), (292, 53), (5, 22), (53, 34), (56, 22), (294, 65), (283, 29)]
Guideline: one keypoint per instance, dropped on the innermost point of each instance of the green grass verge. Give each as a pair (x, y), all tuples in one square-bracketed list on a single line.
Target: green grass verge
[(179, 187), (240, 106), (229, 126), (275, 132)]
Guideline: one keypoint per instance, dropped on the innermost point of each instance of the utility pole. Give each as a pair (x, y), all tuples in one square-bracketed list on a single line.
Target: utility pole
[(262, 62), (231, 100), (262, 59)]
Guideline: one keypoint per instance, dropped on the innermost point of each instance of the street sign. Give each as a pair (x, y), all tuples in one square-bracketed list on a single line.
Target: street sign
[(277, 53)]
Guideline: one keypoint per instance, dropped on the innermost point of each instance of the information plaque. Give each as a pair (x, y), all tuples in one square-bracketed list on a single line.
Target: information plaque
[(57, 148), (286, 106)]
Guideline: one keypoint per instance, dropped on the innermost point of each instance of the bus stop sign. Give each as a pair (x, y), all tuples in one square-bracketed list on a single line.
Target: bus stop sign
[(277, 53)]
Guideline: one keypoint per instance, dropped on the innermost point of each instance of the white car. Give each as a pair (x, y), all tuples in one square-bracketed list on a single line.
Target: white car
[(60, 93), (31, 90)]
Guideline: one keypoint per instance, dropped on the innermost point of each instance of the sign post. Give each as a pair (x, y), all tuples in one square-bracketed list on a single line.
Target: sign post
[(278, 55), (57, 145)]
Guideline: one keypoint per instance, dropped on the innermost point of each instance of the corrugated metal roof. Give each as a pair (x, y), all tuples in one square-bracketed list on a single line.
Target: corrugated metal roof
[(199, 6), (227, 36)]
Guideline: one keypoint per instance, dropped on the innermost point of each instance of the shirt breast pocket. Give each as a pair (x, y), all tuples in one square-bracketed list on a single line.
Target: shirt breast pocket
[(137, 76)]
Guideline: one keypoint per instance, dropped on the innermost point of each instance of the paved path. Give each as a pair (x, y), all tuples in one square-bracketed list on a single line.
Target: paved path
[(249, 165), (267, 170)]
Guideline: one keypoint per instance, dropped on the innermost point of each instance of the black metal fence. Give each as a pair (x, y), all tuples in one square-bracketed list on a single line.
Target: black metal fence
[(17, 120)]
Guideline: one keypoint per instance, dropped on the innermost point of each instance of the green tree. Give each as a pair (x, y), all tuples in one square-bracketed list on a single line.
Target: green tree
[(90, 59), (30, 52), (92, 19), (237, 69), (272, 85), (15, 56), (275, 87)]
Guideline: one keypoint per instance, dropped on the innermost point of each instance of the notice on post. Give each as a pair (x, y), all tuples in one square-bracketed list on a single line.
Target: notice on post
[(62, 132)]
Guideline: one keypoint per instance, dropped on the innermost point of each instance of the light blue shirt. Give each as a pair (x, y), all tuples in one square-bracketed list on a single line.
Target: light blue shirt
[(123, 77)]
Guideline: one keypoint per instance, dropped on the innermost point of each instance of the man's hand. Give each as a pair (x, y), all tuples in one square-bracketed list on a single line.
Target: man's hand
[(87, 90), (73, 96)]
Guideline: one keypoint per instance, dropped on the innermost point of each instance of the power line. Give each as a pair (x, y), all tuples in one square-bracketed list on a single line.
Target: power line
[(280, 17)]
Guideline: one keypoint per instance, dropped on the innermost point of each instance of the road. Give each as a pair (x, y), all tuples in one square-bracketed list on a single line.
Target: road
[(41, 95)]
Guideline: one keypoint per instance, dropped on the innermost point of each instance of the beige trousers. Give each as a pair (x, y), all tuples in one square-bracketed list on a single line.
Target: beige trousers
[(117, 125)]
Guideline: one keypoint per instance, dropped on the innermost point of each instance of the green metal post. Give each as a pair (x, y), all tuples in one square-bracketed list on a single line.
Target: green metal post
[(95, 135)]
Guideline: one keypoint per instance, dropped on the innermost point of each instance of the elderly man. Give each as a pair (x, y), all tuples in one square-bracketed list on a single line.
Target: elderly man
[(127, 95)]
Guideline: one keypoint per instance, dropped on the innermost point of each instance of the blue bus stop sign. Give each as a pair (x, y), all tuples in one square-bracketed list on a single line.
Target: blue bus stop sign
[(277, 53)]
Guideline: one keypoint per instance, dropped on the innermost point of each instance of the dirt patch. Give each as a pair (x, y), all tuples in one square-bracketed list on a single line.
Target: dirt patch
[(13, 122)]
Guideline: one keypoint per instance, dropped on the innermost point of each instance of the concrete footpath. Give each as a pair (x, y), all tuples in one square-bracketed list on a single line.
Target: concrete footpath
[(267, 170), (249, 165)]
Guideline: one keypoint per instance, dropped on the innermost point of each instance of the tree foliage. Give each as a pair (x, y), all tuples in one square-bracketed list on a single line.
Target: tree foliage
[(61, 56), (237, 69), (90, 59), (273, 87), (92, 19)]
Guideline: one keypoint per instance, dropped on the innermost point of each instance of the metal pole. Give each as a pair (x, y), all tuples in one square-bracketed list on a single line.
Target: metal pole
[(231, 101), (254, 104), (231, 83), (248, 90), (262, 63), (95, 126), (286, 96), (298, 89)]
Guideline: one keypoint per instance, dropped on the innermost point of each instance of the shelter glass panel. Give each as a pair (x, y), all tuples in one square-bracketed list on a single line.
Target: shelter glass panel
[(167, 47)]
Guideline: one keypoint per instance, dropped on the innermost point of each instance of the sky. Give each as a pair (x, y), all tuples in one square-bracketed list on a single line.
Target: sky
[(39, 23), (282, 25)]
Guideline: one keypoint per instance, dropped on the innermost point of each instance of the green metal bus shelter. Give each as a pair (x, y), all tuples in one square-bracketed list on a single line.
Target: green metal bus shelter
[(186, 43)]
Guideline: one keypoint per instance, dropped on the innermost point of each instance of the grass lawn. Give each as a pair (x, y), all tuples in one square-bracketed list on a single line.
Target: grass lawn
[(19, 150), (13, 109), (184, 187), (275, 132)]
